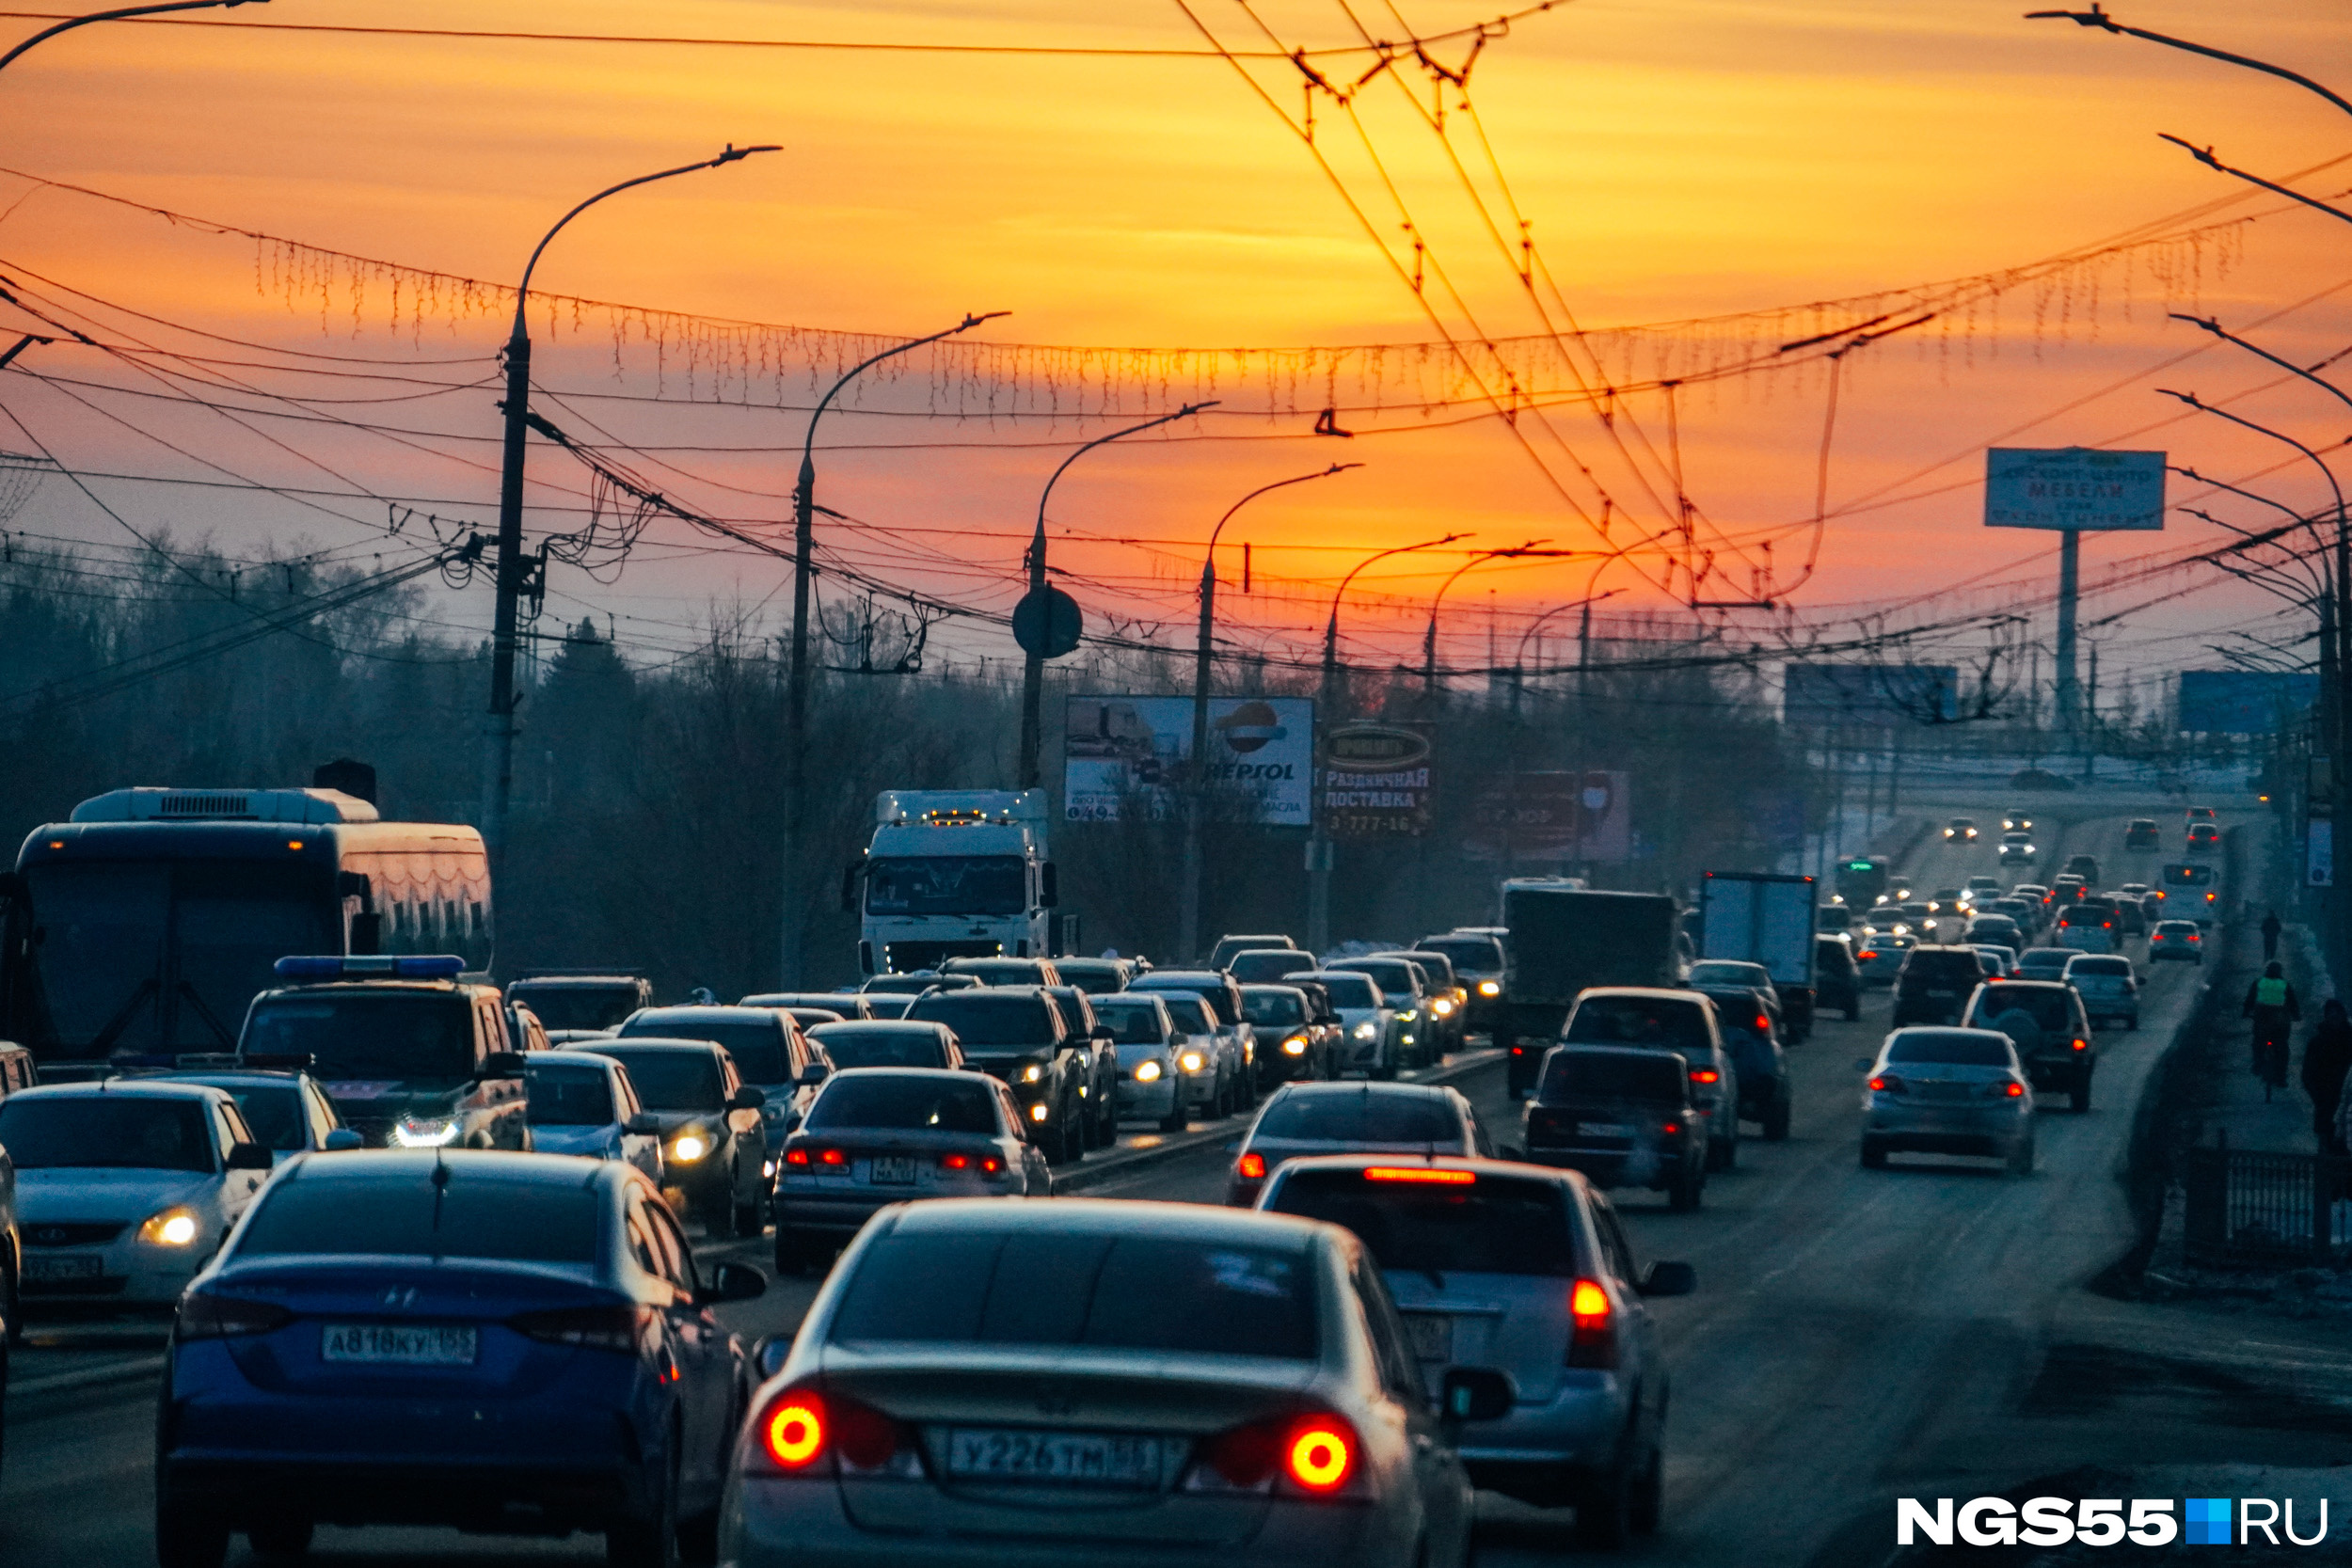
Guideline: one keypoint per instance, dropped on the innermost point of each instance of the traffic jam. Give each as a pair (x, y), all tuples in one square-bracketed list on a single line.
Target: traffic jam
[(989, 1255)]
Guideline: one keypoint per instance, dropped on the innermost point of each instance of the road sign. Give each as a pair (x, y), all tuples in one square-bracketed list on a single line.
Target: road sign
[(2073, 489), (1046, 623)]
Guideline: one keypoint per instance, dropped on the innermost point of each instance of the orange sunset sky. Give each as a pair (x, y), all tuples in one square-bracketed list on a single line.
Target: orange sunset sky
[(1718, 164)]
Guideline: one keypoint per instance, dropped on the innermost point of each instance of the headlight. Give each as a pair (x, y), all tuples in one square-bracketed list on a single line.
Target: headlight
[(1442, 1006), (1037, 1112), (1295, 1046), (1489, 988), (1031, 1073), (1192, 1061), (1148, 1073), (172, 1227), (690, 1148), (432, 1132), (1367, 1031)]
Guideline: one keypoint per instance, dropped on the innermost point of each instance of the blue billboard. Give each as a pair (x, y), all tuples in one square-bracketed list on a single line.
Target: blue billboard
[(2244, 701), (1833, 696)]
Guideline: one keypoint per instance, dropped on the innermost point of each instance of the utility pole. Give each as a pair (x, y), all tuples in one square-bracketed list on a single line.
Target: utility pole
[(2091, 721), (2069, 573)]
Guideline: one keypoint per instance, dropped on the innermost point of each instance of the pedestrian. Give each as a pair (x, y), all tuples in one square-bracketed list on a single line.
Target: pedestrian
[(2271, 1003), (2270, 936), (2327, 1057)]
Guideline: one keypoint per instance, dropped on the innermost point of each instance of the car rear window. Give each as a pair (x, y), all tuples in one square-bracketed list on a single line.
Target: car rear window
[(1493, 1224), (1638, 1021), (1475, 955), (985, 1022), (1261, 967), (1093, 975), (1157, 1295), (906, 1104), (474, 1217), (103, 1132), (1954, 1047), (2046, 958), (564, 1094), (671, 1078), (756, 1044), (1613, 1075), (1933, 965), (1393, 975), (1736, 1010), (863, 1045), (2099, 966), (573, 1005), (1725, 972), (2048, 1009), (1360, 1117)]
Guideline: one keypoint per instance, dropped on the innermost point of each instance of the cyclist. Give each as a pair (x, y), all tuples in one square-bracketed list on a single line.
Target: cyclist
[(2272, 1004)]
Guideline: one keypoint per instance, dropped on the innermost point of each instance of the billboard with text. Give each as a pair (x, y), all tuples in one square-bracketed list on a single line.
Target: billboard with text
[(1125, 754)]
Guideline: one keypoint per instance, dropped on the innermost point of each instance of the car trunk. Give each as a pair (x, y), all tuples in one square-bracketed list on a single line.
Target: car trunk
[(902, 1164), (1515, 1322)]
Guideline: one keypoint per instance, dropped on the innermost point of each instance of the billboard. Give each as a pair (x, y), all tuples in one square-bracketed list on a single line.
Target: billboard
[(1831, 696), (1128, 752), (1375, 780), (2244, 701), (1584, 815), (2073, 489)]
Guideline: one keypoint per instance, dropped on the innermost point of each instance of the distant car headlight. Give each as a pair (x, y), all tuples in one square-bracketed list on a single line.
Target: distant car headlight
[(690, 1146), (1039, 1112), (1442, 1007), (1192, 1061), (1367, 1031), (172, 1227), (431, 1132), (1148, 1073), (1489, 988), (1032, 1073), (1295, 1046)]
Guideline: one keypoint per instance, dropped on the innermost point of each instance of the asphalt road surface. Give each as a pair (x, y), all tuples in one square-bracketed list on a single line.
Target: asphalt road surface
[(1856, 1335)]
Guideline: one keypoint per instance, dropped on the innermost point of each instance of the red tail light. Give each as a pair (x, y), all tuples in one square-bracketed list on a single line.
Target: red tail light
[(1886, 1084), (1763, 1024), (1421, 1173), (1867, 954), (1252, 1167), (2014, 1090), (1671, 1127), (796, 1158), (833, 1157), (793, 1430), (2082, 1045), (1593, 1342), (955, 1162), (613, 1328), (987, 1164), (1320, 1454), (1705, 1075), (205, 1316), (1316, 1453), (802, 1427)]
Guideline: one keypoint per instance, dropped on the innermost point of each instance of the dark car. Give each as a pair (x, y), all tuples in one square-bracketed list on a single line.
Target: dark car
[(1005, 971), (498, 1343), (1096, 976), (714, 1143), (1228, 944), (2085, 867), (1621, 1116), (2130, 919), (1266, 966), (1479, 967), (856, 1042), (1016, 1034), (1748, 1032), (2142, 833), (1934, 983), (917, 982), (2046, 1021), (581, 1001), (2203, 838), (766, 1045), (1449, 998), (1352, 1119), (1837, 983), (841, 1003), (1292, 1041), (1100, 1123)]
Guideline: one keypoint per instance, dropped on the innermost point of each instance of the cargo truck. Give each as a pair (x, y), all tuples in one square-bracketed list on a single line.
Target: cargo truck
[(956, 873), (1565, 938), (1763, 918)]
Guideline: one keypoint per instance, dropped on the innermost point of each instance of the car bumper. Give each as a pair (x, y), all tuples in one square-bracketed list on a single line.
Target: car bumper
[(1947, 1132), (1579, 1426), (491, 1496), (1614, 1167), (130, 1272), (1138, 1101)]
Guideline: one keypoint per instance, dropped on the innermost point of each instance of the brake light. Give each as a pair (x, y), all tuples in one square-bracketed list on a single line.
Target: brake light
[(1671, 1127), (1593, 1340), (1252, 1167), (1320, 1454), (1763, 1024), (1420, 1173), (1316, 1452), (1867, 954), (804, 1426), (1886, 1084), (955, 1162), (2082, 1045), (205, 1316), (612, 1327), (794, 1432), (2014, 1090), (1519, 1050), (796, 1158), (1705, 1075), (832, 1157)]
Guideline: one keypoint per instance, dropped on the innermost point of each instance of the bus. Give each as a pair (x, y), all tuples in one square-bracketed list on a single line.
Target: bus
[(150, 919)]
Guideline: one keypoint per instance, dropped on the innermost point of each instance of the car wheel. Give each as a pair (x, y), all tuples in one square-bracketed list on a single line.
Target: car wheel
[(648, 1543), (2081, 1097), (1649, 1495), (189, 1537), (1604, 1509), (1873, 1155), (1176, 1120), (748, 1221), (280, 1540)]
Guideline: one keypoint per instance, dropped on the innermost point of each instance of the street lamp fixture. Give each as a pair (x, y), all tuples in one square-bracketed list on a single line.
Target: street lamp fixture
[(124, 14)]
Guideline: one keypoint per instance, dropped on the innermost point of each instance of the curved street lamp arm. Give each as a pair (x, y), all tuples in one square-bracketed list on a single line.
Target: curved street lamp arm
[(1536, 625), (1296, 479), (2203, 408), (2204, 155), (732, 154), (124, 14), (1382, 555), (2214, 326), (2097, 17), (2250, 495), (808, 444), (1186, 412)]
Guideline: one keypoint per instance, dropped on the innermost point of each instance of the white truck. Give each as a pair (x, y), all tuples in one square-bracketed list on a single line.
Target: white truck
[(1761, 918), (955, 873)]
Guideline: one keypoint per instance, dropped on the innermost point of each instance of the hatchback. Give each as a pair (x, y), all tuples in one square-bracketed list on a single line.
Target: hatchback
[(1622, 1116), (1669, 1020), (1343, 1119), (1154, 1080), (2182, 941), (505, 1343), (2108, 986), (1529, 1272), (1933, 984), (714, 1145), (1949, 1091), (2046, 1019), (991, 1384)]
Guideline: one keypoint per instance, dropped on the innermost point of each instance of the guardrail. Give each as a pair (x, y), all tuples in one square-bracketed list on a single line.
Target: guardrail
[(2253, 1206)]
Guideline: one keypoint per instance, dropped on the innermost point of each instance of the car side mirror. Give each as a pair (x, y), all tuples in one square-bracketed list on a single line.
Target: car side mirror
[(643, 1123), (1475, 1394), (1669, 1279), (748, 1098), (501, 1063), (249, 1156), (769, 1354), (341, 1138), (814, 1074), (732, 1282)]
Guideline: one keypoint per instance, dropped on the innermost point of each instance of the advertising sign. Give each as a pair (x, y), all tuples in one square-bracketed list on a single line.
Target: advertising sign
[(1553, 816), (1835, 696), (2244, 701), (1375, 780), (2072, 488), (1129, 754)]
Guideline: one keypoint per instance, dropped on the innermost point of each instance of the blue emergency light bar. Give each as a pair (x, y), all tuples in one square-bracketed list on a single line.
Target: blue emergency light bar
[(330, 966)]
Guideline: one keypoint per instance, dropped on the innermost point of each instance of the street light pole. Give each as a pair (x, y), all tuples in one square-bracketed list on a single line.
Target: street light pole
[(1197, 789), (1429, 637), (499, 766), (124, 14), (1519, 659), (1033, 670), (1319, 839), (795, 704)]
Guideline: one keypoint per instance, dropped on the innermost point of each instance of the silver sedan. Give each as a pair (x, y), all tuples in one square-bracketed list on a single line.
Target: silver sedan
[(1949, 1091)]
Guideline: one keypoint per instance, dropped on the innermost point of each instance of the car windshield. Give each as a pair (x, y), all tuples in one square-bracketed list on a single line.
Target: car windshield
[(989, 1023), (1130, 1022), (423, 1036), (473, 1215), (756, 1044), (1953, 1047), (1638, 1021), (1093, 975), (1718, 971), (1264, 968), (275, 1115), (2112, 968), (1468, 955), (1154, 1296), (1209, 987), (2046, 958), (946, 884), (1352, 992), (873, 1047), (1360, 1117), (2046, 1005), (1273, 1008), (1492, 1225), (1391, 975), (1612, 1075), (907, 1104), (106, 1132), (1189, 1014), (568, 1093), (574, 1004), (671, 1078), (1000, 972)]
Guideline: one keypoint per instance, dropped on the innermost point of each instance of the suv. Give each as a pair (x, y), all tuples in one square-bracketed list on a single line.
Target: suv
[(1933, 984), (2140, 834), (2085, 867), (1621, 1116), (1015, 1033), (2109, 987), (572, 1003), (2046, 1021), (1677, 1020), (1837, 982), (409, 1057)]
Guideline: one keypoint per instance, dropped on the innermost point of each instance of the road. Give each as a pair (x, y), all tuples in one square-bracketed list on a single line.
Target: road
[(1856, 1336)]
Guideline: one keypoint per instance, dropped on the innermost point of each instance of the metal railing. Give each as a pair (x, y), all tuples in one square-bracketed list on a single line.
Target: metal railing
[(2254, 1207)]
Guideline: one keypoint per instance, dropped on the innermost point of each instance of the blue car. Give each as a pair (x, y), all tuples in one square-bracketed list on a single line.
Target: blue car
[(502, 1343)]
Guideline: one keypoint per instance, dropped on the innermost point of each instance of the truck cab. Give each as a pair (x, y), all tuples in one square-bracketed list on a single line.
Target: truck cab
[(955, 874)]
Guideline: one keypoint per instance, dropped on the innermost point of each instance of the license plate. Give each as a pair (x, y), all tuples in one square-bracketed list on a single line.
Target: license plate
[(399, 1344), (1432, 1334), (73, 1265), (1057, 1458), (893, 1169), (1604, 1130)]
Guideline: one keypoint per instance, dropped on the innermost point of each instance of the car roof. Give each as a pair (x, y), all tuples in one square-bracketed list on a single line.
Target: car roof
[(1943, 1031), (1366, 1088), (1180, 976), (940, 1075), (2035, 985), (1162, 1221), (1637, 1052), (383, 987), (607, 1044), (845, 1028), (143, 1088), (1509, 1169), (509, 1166), (1653, 993), (250, 1078), (706, 1012), (1270, 985)]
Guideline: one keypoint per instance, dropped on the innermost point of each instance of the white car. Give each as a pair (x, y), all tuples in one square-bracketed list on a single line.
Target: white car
[(1209, 1056), (125, 1188), (584, 1104), (1372, 1033)]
